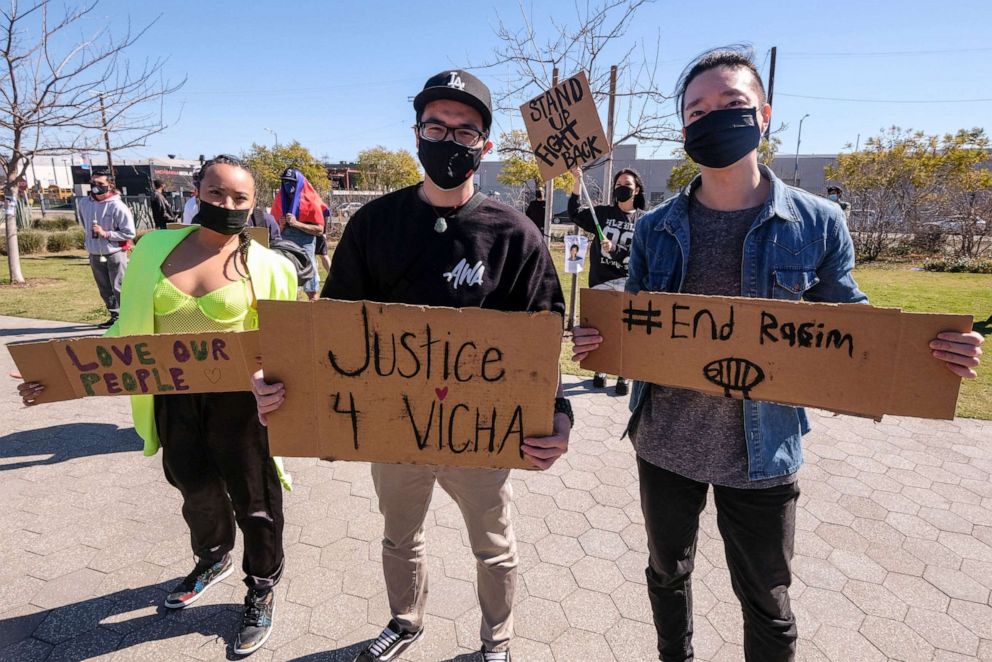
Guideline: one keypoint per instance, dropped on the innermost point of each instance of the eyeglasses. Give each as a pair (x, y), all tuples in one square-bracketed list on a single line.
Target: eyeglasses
[(435, 132)]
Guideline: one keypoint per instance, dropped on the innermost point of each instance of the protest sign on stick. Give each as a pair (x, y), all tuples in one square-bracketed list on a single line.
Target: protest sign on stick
[(564, 127), (409, 384), (848, 358)]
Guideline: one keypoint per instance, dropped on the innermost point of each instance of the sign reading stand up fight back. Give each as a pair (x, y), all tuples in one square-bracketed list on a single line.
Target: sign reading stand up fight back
[(409, 384), (564, 128)]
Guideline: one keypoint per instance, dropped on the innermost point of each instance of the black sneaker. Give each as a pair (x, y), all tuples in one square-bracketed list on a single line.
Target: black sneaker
[(109, 323), (256, 621), (599, 381), (204, 576), (621, 388), (389, 644), (495, 656)]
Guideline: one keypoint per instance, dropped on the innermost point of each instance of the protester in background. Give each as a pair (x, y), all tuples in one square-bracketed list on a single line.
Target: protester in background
[(108, 227), (441, 244), (608, 258), (834, 194), (214, 450), (299, 210), (736, 230), (259, 218), (320, 249), (535, 210), (192, 203), (161, 209)]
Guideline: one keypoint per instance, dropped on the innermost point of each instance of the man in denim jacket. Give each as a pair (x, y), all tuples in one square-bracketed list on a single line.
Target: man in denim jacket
[(736, 230)]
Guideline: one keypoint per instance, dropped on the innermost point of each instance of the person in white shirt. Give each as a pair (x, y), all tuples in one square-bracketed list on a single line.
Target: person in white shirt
[(190, 209), (109, 230)]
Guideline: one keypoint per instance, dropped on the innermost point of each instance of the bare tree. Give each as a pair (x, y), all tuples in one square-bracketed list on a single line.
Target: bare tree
[(63, 95), (592, 42)]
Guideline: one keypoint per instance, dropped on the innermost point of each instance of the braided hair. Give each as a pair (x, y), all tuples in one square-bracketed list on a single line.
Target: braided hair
[(244, 237)]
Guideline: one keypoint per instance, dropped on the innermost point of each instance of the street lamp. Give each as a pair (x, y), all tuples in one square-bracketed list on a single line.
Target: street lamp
[(795, 173), (274, 135)]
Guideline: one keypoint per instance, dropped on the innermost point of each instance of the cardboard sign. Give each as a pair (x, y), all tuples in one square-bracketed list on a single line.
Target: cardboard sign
[(409, 384), (259, 235), (564, 128), (848, 358), (164, 364)]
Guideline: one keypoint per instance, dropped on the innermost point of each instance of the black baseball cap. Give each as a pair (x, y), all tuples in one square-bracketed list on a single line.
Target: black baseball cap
[(457, 85), (289, 175)]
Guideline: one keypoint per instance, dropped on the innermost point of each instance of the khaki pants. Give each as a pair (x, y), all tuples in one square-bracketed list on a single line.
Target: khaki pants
[(483, 496)]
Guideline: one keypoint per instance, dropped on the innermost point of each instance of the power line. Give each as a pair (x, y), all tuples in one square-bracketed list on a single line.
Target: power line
[(887, 53), (907, 101)]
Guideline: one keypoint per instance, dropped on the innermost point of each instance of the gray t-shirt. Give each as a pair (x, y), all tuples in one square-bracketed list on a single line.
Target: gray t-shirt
[(693, 434)]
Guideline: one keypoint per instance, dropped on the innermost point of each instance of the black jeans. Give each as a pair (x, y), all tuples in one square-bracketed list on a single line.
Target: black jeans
[(758, 528), (216, 453)]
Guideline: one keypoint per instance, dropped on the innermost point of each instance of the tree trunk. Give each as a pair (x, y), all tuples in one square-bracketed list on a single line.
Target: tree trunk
[(10, 220)]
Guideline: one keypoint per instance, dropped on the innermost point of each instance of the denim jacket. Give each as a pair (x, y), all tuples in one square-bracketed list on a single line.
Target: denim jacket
[(797, 248)]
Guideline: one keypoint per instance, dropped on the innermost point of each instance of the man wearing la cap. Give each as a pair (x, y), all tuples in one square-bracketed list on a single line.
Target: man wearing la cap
[(440, 243)]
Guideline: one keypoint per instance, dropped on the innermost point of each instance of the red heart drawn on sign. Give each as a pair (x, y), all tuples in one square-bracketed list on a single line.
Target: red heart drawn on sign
[(442, 393)]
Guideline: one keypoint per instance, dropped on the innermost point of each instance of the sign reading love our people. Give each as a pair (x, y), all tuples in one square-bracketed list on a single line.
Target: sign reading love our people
[(409, 384), (165, 364)]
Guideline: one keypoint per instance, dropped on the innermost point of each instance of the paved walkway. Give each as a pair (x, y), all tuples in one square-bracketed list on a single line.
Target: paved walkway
[(894, 548)]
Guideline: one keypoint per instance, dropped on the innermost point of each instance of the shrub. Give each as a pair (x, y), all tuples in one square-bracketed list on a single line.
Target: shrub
[(959, 265), (59, 242), (28, 242), (78, 237), (58, 224)]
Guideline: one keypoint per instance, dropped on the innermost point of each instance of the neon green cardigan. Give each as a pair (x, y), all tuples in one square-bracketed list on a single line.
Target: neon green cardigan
[(272, 277)]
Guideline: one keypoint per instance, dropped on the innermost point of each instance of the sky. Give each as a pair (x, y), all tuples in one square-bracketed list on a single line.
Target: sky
[(338, 76)]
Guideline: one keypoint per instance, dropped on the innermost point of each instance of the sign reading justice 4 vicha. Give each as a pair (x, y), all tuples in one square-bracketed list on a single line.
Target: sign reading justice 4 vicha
[(564, 128), (138, 365), (409, 384), (848, 358)]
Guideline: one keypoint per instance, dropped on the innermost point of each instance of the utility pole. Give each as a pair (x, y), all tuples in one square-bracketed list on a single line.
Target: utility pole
[(549, 187), (106, 137), (41, 191), (799, 137), (608, 166), (771, 86)]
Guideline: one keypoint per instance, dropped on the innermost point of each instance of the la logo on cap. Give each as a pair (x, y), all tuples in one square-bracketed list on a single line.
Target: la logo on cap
[(456, 81)]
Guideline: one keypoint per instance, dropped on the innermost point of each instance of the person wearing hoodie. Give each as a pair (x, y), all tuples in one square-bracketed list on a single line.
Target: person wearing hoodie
[(299, 210), (109, 229)]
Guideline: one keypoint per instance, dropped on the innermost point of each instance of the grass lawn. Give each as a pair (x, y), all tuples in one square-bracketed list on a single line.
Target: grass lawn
[(61, 287)]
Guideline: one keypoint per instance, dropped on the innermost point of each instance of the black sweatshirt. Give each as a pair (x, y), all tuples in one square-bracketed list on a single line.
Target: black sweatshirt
[(493, 258), (618, 227)]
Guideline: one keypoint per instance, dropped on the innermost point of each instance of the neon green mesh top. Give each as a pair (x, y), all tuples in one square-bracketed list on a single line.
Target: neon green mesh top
[(224, 309)]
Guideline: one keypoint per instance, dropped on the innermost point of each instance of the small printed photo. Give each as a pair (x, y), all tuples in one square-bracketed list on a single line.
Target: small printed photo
[(575, 253)]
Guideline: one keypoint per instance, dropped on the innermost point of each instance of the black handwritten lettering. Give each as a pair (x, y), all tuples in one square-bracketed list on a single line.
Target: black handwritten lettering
[(421, 437), (413, 355), (646, 318), (807, 335), (377, 354), (352, 412), (515, 428), (458, 363), (451, 430), (497, 359), (365, 333), (675, 323), (734, 374)]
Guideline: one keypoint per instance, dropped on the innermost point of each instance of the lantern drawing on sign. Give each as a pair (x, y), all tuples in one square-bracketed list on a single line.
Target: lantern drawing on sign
[(734, 374)]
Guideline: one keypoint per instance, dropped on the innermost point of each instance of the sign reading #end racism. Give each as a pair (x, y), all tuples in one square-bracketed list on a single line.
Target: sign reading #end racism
[(164, 364), (848, 358), (564, 128), (409, 384)]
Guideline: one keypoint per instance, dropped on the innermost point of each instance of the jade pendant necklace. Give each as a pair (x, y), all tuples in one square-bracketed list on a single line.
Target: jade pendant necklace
[(441, 224)]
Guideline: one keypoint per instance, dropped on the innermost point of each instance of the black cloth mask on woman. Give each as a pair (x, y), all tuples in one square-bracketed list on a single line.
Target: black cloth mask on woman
[(447, 163), (219, 219), (722, 137), (623, 193)]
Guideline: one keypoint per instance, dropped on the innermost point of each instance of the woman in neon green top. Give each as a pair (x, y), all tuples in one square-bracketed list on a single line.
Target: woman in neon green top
[(207, 277)]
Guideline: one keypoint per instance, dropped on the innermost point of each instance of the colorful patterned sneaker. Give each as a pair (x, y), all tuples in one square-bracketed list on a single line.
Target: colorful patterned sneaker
[(197, 582), (495, 656), (256, 622), (389, 644)]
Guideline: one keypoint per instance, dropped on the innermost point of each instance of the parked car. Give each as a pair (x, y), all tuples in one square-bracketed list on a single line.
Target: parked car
[(957, 223), (344, 212)]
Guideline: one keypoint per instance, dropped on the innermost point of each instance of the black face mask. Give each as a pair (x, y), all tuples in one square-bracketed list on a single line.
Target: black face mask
[(722, 137), (98, 189), (623, 193), (447, 163), (218, 219)]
